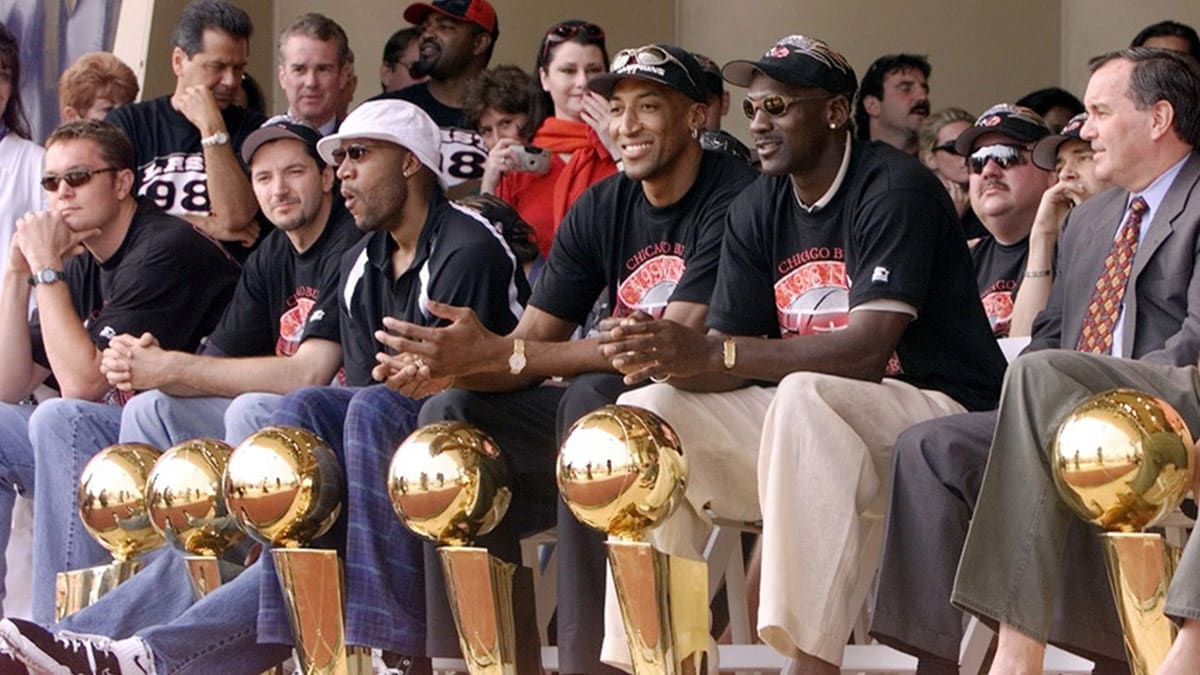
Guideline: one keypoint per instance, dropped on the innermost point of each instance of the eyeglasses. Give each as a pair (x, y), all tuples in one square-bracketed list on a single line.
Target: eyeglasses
[(651, 56), (948, 146), (355, 152), (775, 104), (1005, 157), (74, 178), (588, 33)]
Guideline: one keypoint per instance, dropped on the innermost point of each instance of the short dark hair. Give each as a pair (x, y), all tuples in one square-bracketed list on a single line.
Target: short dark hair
[(1162, 75), (202, 15), (584, 33), (13, 114), (872, 84), (1043, 101), (114, 145), (397, 43), (1170, 29), (318, 27), (503, 88)]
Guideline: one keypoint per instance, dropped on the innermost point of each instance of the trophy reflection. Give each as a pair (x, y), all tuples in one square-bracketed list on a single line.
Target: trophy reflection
[(112, 506), (448, 484), (621, 470), (187, 507), (283, 485), (1123, 460)]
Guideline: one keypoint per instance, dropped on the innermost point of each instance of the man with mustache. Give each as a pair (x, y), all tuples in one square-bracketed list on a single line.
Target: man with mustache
[(456, 43), (893, 100), (186, 144), (1143, 132), (1005, 189), (855, 254)]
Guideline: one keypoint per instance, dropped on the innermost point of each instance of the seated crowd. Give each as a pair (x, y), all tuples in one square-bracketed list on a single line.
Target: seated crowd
[(819, 317)]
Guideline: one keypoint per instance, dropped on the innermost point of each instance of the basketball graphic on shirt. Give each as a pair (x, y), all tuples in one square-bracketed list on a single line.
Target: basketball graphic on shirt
[(650, 287), (291, 326), (812, 299), (999, 307)]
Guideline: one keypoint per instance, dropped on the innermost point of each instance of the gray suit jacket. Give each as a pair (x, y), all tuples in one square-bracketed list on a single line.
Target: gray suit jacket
[(1162, 302)]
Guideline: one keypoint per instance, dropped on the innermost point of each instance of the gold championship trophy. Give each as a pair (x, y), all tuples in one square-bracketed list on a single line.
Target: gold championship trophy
[(621, 470), (448, 484), (1123, 461), (284, 487), (183, 496), (112, 506)]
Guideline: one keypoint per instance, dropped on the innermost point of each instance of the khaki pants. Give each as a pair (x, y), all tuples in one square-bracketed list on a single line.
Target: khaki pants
[(811, 459)]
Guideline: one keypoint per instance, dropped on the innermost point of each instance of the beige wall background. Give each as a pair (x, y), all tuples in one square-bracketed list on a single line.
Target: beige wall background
[(982, 52)]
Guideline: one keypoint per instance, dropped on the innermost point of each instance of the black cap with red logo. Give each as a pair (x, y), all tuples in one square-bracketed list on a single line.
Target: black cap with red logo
[(479, 12), (800, 61), (1045, 153)]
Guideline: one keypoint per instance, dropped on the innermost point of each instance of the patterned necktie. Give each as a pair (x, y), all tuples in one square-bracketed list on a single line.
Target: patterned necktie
[(1105, 307)]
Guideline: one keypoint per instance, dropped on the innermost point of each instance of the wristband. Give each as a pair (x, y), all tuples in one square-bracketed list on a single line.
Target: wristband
[(1034, 274)]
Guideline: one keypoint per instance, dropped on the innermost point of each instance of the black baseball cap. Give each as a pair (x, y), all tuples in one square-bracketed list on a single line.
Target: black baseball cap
[(479, 12), (667, 65), (279, 127), (1016, 122), (1045, 153), (800, 61)]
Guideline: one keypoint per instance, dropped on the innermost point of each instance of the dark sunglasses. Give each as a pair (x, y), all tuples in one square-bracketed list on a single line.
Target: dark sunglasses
[(355, 152), (74, 177), (948, 146), (1005, 157), (651, 56), (776, 104), (588, 33)]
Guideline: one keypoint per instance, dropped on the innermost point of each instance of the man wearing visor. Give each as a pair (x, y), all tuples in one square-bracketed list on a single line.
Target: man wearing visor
[(854, 253)]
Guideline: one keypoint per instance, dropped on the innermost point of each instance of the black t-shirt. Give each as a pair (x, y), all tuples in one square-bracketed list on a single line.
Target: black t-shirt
[(462, 259), (463, 153), (646, 256), (972, 226), (998, 270), (890, 233), (169, 158), (166, 278), (285, 297)]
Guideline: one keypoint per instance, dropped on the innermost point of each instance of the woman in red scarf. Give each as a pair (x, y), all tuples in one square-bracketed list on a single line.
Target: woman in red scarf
[(576, 134)]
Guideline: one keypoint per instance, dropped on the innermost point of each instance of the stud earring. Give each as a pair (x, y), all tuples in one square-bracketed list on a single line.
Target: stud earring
[(832, 125)]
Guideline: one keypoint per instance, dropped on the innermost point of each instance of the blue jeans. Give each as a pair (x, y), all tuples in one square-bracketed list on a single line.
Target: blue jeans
[(214, 634), (163, 420), (16, 472), (157, 604), (64, 433), (384, 571)]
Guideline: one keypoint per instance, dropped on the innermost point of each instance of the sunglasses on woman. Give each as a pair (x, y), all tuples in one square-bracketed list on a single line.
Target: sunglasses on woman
[(74, 178), (775, 105), (1005, 157), (588, 33)]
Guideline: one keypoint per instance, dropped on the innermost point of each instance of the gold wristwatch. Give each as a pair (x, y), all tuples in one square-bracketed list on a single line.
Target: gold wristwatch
[(516, 361), (729, 351)]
